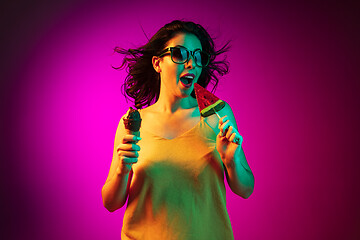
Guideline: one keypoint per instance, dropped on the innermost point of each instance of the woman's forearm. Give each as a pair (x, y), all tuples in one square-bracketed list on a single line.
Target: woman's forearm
[(115, 191), (239, 176)]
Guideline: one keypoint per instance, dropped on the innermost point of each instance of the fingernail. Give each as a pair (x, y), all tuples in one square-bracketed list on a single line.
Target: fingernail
[(138, 138)]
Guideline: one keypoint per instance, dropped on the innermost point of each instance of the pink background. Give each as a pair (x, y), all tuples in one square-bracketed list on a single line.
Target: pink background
[(293, 86)]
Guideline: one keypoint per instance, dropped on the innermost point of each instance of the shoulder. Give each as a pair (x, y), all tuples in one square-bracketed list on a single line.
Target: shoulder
[(228, 112)]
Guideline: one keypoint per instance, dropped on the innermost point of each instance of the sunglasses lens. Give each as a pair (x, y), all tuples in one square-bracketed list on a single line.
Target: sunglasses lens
[(202, 59), (179, 55)]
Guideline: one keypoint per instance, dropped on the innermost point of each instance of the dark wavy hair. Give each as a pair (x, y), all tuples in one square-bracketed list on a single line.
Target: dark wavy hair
[(142, 84)]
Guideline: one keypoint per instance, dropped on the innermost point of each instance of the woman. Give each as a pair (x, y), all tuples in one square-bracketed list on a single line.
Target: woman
[(173, 176)]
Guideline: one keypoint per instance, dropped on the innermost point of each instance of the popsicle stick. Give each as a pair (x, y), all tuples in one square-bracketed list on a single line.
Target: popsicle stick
[(236, 140), (216, 113)]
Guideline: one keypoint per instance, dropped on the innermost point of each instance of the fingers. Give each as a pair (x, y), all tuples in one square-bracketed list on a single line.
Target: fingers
[(222, 120), (236, 138), (128, 157), (225, 127), (232, 137), (128, 150), (227, 130), (232, 134), (239, 140), (128, 160), (131, 138), (128, 153), (128, 147), (224, 124)]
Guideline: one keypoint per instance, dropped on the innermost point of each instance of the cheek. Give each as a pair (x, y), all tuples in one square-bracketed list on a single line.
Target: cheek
[(170, 72), (174, 71)]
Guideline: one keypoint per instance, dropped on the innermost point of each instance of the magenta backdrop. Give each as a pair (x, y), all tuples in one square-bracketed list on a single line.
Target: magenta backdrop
[(293, 87)]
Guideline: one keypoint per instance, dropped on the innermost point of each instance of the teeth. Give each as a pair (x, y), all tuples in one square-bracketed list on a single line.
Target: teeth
[(187, 79)]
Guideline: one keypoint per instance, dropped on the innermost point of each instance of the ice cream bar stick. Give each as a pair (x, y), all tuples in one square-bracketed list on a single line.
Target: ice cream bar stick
[(216, 113)]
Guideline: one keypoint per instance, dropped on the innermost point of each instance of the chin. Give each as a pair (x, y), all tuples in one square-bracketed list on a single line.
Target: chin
[(187, 92)]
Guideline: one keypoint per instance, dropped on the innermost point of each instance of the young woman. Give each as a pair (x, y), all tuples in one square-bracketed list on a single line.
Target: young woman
[(173, 177)]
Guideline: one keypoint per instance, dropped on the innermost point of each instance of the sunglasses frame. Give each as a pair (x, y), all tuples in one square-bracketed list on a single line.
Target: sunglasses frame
[(189, 53)]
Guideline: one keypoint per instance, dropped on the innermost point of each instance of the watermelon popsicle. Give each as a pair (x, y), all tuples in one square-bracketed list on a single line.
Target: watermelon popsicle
[(208, 103)]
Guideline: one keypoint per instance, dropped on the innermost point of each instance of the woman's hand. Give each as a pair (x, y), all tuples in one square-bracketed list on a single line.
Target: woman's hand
[(228, 141), (128, 153)]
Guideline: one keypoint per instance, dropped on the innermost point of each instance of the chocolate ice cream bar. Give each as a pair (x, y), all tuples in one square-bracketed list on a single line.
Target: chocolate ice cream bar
[(132, 121)]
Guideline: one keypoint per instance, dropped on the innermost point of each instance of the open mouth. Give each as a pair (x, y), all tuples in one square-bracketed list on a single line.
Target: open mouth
[(187, 80)]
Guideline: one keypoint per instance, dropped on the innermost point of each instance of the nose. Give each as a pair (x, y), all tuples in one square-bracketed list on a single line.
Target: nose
[(191, 62)]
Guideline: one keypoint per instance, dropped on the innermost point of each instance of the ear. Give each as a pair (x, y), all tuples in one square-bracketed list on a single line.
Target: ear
[(156, 64)]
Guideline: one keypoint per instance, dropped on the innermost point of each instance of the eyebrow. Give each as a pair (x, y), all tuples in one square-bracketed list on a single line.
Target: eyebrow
[(187, 48)]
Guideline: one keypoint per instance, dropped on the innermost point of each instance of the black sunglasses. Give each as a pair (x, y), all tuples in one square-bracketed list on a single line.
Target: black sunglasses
[(180, 54)]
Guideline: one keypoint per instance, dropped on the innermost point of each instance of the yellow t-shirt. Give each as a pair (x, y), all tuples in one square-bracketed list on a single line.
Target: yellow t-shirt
[(177, 191)]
